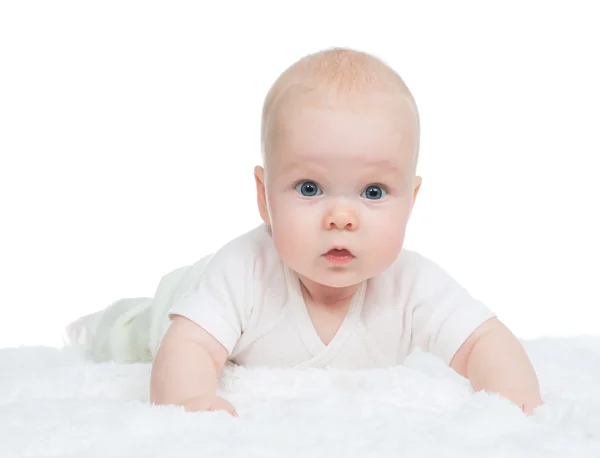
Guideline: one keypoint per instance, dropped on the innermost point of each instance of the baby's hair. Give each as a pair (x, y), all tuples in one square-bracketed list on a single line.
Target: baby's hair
[(341, 71)]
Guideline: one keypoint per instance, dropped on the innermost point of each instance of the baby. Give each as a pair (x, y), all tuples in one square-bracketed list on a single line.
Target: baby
[(325, 281)]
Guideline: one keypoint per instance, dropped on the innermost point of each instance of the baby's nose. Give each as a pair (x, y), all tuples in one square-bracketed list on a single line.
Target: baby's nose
[(342, 219)]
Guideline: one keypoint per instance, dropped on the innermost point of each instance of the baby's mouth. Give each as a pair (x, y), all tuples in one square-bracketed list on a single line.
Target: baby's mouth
[(339, 255)]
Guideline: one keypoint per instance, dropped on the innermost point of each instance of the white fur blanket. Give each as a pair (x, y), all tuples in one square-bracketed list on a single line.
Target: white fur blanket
[(54, 403)]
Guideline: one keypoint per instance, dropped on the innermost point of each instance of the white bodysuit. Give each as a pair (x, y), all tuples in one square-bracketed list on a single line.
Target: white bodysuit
[(249, 301)]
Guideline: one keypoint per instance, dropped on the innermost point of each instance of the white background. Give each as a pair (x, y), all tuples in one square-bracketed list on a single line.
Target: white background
[(128, 134)]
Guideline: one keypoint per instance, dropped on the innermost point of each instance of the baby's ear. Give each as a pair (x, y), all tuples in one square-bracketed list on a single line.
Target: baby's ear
[(418, 182), (261, 197)]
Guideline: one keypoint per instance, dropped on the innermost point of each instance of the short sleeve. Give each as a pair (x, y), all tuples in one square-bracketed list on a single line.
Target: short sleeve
[(444, 313), (222, 298)]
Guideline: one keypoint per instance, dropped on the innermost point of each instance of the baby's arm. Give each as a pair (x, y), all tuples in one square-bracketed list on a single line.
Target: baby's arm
[(494, 360), (186, 367)]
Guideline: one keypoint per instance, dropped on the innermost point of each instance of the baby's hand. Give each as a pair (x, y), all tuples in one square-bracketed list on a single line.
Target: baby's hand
[(209, 403)]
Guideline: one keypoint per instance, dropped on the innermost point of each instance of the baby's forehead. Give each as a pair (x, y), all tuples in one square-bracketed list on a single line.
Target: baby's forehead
[(382, 125)]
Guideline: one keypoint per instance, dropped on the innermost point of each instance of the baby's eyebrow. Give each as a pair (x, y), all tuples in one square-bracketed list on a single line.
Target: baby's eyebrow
[(384, 164), (384, 169), (369, 167), (301, 165)]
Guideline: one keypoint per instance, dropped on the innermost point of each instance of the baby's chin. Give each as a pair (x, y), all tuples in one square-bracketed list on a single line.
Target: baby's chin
[(340, 276), (340, 279)]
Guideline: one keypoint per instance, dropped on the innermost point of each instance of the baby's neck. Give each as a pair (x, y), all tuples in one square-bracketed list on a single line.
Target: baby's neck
[(327, 296)]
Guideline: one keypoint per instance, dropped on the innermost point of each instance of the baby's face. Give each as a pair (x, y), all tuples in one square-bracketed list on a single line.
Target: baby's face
[(342, 179)]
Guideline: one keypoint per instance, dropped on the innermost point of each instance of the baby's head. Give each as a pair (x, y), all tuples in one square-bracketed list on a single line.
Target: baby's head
[(340, 142)]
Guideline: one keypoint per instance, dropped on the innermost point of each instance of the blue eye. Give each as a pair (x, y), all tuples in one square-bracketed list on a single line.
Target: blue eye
[(374, 192), (308, 188)]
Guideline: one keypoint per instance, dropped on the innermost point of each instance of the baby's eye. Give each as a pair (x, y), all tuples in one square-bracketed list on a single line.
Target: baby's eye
[(308, 188), (374, 192)]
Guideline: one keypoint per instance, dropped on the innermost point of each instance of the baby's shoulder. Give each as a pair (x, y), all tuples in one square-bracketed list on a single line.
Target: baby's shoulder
[(410, 272), (251, 252), (409, 265), (254, 243), (415, 278)]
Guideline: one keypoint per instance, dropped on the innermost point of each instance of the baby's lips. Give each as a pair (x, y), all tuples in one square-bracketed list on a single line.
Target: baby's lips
[(339, 252)]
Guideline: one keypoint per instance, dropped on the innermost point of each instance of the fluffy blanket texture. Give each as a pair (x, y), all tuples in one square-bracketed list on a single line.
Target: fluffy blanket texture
[(55, 403)]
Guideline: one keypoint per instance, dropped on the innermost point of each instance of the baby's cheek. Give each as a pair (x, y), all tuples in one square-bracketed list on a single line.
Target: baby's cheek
[(387, 236), (283, 213), (291, 228)]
